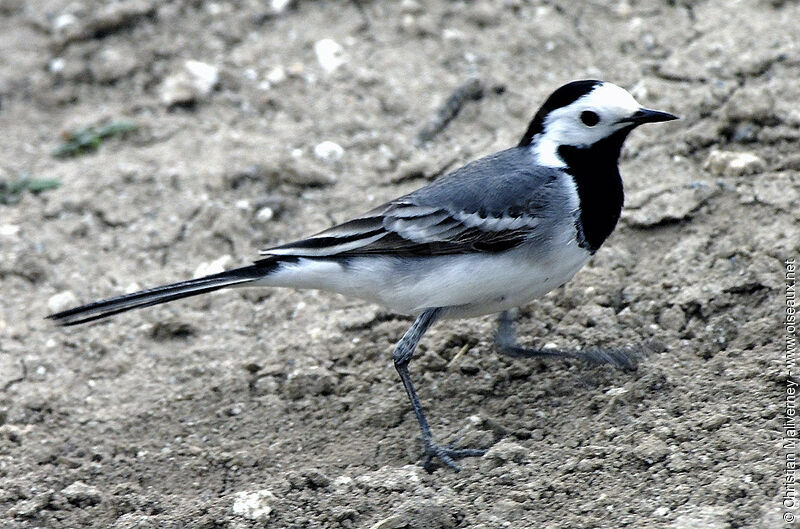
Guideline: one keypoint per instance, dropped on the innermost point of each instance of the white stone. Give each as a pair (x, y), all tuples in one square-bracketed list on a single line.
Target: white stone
[(729, 163), (79, 493), (63, 21), (8, 230), (195, 81), (276, 75), (330, 54), (329, 151), (279, 6), (265, 214), (254, 505), (57, 65), (62, 301), (214, 267), (206, 76), (177, 89)]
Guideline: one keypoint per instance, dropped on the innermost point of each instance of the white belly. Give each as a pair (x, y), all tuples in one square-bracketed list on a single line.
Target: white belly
[(468, 285)]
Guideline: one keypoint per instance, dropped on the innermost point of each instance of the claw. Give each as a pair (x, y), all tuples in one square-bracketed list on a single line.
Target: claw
[(447, 455)]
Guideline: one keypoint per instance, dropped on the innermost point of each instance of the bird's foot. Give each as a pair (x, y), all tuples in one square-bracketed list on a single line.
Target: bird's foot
[(447, 454)]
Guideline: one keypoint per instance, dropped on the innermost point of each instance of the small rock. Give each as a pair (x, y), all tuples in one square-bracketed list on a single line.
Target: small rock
[(392, 522), (255, 505), (177, 90), (195, 82), (62, 301), (484, 14), (9, 230), (651, 449), (505, 451), (82, 495), (728, 163), (279, 6), (113, 63), (391, 478), (669, 206), (265, 215), (308, 479), (661, 511), (133, 520), (276, 75), (330, 54), (702, 518), (776, 189), (672, 318), (63, 22), (314, 380), (12, 433), (111, 17), (329, 151), (205, 76), (29, 508), (214, 267), (411, 6)]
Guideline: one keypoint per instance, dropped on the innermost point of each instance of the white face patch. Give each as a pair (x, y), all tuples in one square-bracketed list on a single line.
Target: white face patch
[(563, 126)]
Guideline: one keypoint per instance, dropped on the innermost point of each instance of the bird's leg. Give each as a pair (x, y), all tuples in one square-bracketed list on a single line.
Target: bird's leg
[(506, 339), (403, 352)]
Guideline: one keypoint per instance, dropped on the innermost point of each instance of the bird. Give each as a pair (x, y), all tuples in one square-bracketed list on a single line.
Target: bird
[(486, 238)]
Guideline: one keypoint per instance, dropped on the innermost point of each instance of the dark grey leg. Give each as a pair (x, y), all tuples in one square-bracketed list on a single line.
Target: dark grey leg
[(403, 352), (506, 339)]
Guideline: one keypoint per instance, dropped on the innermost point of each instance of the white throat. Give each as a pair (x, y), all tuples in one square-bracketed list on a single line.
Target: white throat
[(563, 126), (545, 152)]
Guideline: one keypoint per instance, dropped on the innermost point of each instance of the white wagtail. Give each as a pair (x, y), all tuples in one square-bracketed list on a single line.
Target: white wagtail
[(486, 238)]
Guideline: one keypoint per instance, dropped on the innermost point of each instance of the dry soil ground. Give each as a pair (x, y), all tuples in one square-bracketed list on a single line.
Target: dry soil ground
[(281, 408)]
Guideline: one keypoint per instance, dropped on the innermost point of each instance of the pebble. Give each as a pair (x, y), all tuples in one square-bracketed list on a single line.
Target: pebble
[(213, 267), (672, 318), (330, 54), (205, 75), (9, 230), (64, 21), (81, 494), (651, 449), (196, 81), (706, 517), (329, 151), (411, 6), (107, 19), (276, 75), (12, 433), (62, 301), (254, 505), (504, 452), (313, 380), (661, 511), (391, 478), (669, 206), (113, 63), (280, 6), (265, 215), (729, 163)]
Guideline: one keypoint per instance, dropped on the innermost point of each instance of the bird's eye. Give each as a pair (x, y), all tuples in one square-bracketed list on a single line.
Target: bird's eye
[(589, 118)]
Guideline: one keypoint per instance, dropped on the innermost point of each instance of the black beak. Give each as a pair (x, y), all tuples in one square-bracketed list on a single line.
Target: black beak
[(645, 115)]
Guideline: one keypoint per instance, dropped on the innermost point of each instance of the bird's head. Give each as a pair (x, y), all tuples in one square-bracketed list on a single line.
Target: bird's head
[(582, 114)]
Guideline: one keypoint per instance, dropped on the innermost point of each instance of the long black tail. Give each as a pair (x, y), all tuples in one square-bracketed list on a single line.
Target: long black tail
[(163, 294)]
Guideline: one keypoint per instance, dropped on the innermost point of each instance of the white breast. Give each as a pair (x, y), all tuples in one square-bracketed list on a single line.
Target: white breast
[(471, 285)]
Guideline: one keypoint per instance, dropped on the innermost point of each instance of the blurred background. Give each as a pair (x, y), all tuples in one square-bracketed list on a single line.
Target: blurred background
[(144, 142)]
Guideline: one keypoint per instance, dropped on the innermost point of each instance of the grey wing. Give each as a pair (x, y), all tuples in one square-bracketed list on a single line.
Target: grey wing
[(490, 205)]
